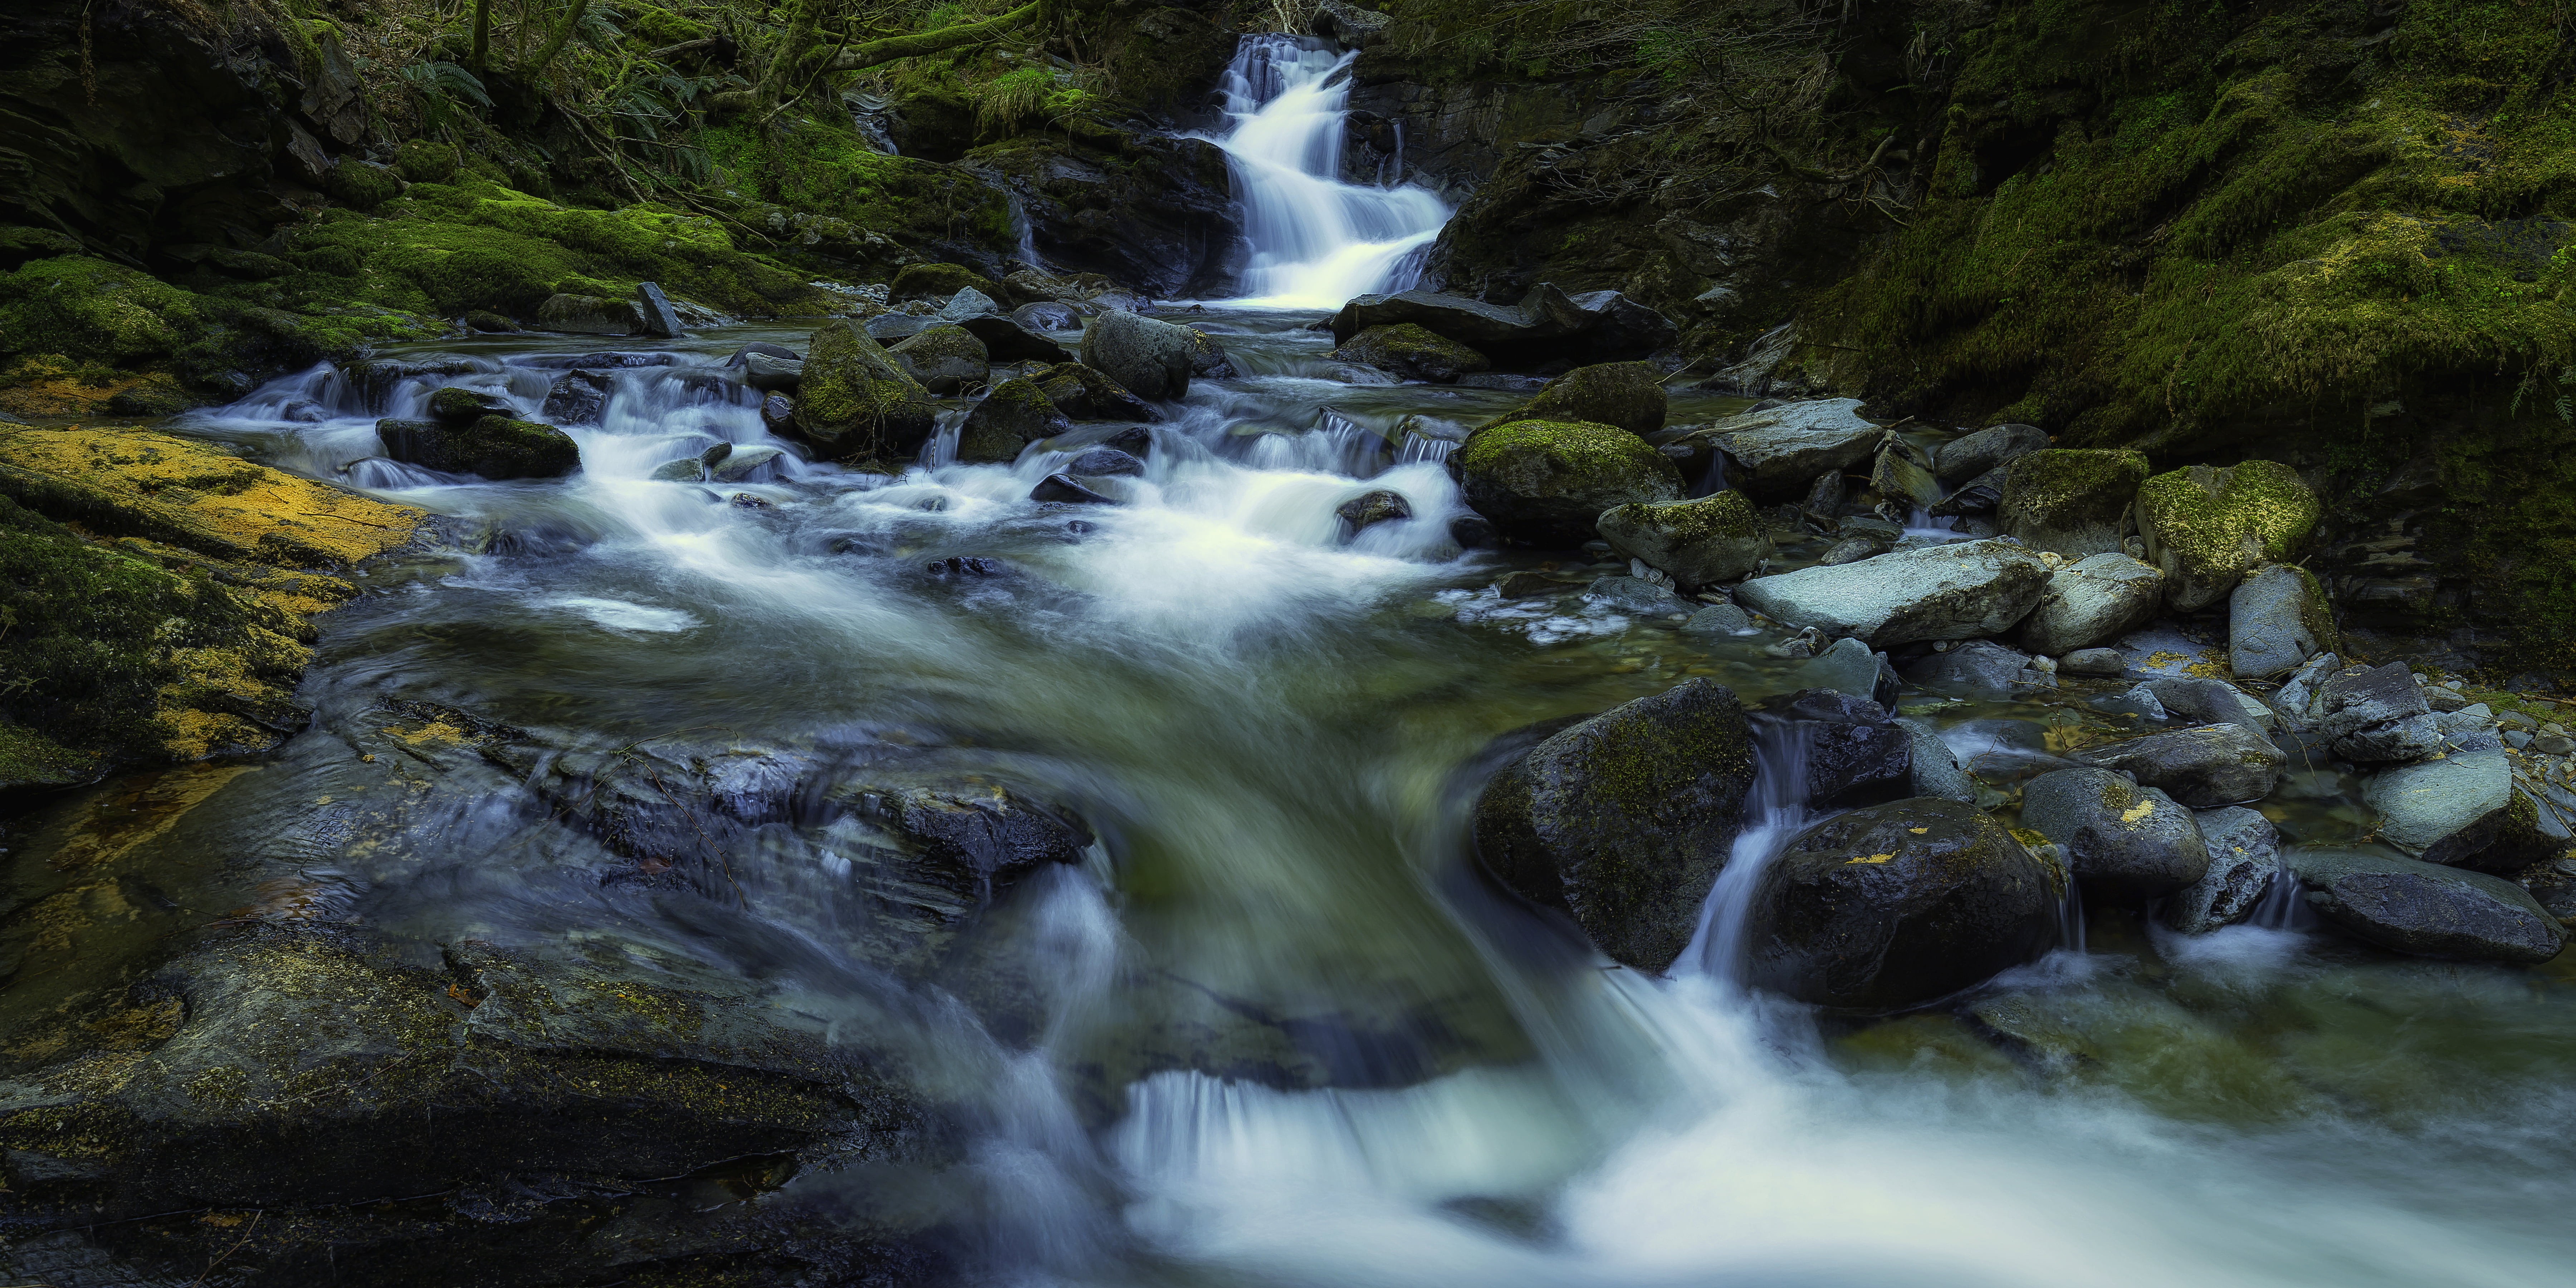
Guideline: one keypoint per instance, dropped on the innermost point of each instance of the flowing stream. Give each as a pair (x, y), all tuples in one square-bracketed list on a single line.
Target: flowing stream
[(1275, 1030)]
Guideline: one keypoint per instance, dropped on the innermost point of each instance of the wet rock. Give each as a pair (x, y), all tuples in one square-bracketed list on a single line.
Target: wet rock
[(2203, 767), (750, 501), (1629, 395), (1412, 352), (1149, 358), (590, 315), (1637, 597), (2091, 602), (1978, 496), (454, 406), (1474, 532), (1530, 585), (1978, 666), (1046, 315), (2528, 833), (1779, 452), (1936, 768), (2244, 854), (612, 360), (857, 401), (1016, 414), (971, 836), (2207, 526), (1970, 455), (1903, 479), (1824, 499), (2444, 810), (2411, 906), (1849, 667), (972, 566), (2072, 501), (1547, 323), (2370, 714), (1853, 752), (2277, 618), (1208, 358), (1964, 590), (1380, 506), (659, 318), (1084, 393), (495, 447), (687, 469), (2211, 702), (966, 303), (1720, 621), (771, 375), (1898, 905), (943, 359), (778, 415), (939, 282), (1137, 441), (1851, 550), (742, 355), (1005, 340), (1624, 327), (1062, 489), (1348, 24), (1705, 542), (1624, 820), (740, 462), (1546, 482), (577, 398), (2126, 844)]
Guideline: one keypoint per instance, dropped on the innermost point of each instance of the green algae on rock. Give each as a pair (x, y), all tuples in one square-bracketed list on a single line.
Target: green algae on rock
[(1704, 542), (1547, 482), (1016, 414), (2071, 501), (857, 401), (2207, 527), (1629, 395)]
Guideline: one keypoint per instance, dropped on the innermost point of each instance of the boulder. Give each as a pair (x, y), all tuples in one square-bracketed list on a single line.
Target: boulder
[(1412, 351), (1623, 327), (2277, 618), (1109, 462), (2410, 906), (2444, 810), (2072, 501), (1047, 315), (1636, 597), (1897, 905), (2099, 662), (1903, 480), (1005, 340), (590, 315), (454, 406), (1208, 358), (1629, 395), (1348, 24), (778, 415), (772, 375), (939, 282), (2210, 702), (1979, 495), (1148, 357), (1714, 539), (1936, 768), (1720, 621), (494, 447), (2203, 767), (856, 401), (2372, 715), (2126, 844), (743, 353), (2091, 602), (966, 303), (740, 462), (1544, 315), (1062, 489), (1970, 455), (1850, 550), (944, 359), (2209, 526), (1963, 590), (2244, 854), (1547, 482), (1086, 394), (1854, 754), (1978, 666), (577, 398), (659, 318), (1849, 667), (1779, 452), (1624, 820), (1380, 506)]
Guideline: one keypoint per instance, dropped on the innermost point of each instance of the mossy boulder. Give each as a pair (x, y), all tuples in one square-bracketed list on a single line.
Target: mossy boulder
[(93, 311), (422, 161), (1900, 904), (1151, 358), (1414, 352), (590, 315), (492, 447), (1714, 539), (1016, 414), (857, 401), (2071, 501), (1548, 482), (1624, 820), (1629, 395), (2209, 526), (941, 282), (945, 359), (2126, 844), (362, 185), (1084, 393)]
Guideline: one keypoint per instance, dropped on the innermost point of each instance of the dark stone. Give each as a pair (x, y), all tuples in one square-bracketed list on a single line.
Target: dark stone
[(1016, 414), (969, 566), (1868, 545), (577, 398), (1636, 597), (1085, 394), (1062, 488), (766, 350), (1546, 324), (1103, 462), (495, 447), (778, 414), (1977, 666), (2206, 767), (2126, 844), (772, 375), (1135, 442), (630, 358), (660, 319), (1979, 495), (1629, 395), (1374, 507), (454, 406), (1854, 753), (2426, 909), (1006, 340), (1971, 455), (1474, 532)]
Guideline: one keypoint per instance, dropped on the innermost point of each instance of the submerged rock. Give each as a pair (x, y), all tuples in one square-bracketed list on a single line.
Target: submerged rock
[(1970, 455), (2092, 602), (1150, 358), (494, 447), (1779, 452), (1412, 351), (1853, 753), (1897, 905), (2126, 844), (1109, 462), (2244, 855), (1629, 395), (943, 359), (2277, 618), (1636, 597), (1623, 820), (2416, 907), (1964, 590), (2206, 767), (1546, 482), (857, 401), (1705, 542), (2071, 501), (1978, 666), (2207, 527), (1064, 489), (1849, 667)]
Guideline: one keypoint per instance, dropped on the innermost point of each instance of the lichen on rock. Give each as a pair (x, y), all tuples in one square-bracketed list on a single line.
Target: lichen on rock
[(2208, 526)]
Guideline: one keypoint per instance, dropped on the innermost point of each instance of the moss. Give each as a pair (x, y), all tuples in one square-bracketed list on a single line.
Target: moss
[(1547, 481), (856, 400), (1414, 351), (1629, 395), (2070, 500), (89, 309), (1727, 515), (2207, 527), (940, 281), (361, 185), (831, 172), (422, 161)]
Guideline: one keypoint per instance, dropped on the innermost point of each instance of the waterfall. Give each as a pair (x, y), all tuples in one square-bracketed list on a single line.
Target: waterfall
[(1315, 241)]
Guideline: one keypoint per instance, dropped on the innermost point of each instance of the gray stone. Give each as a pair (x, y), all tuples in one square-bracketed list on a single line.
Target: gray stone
[(1851, 752), (2411, 906), (2277, 619), (589, 315), (2244, 854), (1150, 358), (2072, 501), (1725, 621), (1936, 768), (1349, 24), (2442, 810), (1046, 315), (577, 398), (1780, 451), (1978, 666), (1902, 479), (772, 375), (2127, 844), (1977, 496), (1963, 590), (660, 319), (1109, 462), (1849, 667), (966, 303), (1063, 490), (1970, 455), (944, 359), (739, 463), (2203, 767), (1704, 542), (2372, 715), (1379, 506), (2091, 602), (1636, 597), (1851, 550), (2105, 662), (2212, 702)]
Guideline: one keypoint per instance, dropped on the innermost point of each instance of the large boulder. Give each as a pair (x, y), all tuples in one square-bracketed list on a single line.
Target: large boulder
[(1547, 482), (1903, 480), (577, 398), (1629, 395), (2415, 907), (1970, 455), (1546, 324), (944, 359), (2093, 601), (2126, 844), (1897, 905), (493, 447), (1414, 352), (1853, 753), (1016, 414), (1624, 820), (1964, 590), (1714, 539), (2370, 715), (1779, 452), (1937, 771), (1848, 666), (2211, 702), (2072, 501), (1150, 358), (857, 401), (2244, 854), (2209, 526), (940, 282), (2203, 767), (1084, 393), (771, 374), (2446, 809), (2277, 619)]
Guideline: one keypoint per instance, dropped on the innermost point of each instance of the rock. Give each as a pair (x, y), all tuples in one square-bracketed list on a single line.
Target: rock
[(659, 318), (1963, 590), (1063, 489), (453, 406), (2203, 767), (1005, 340), (495, 447), (2411, 906), (1715, 539), (772, 375), (1546, 324), (2526, 833), (1380, 506), (886, 328), (2211, 702), (742, 354), (966, 303), (1413, 352), (1629, 395), (1897, 905), (1824, 500), (2277, 618), (590, 315), (488, 322), (2207, 527), (2244, 855), (1720, 621), (944, 359), (2126, 844), (1349, 24), (1978, 666), (1547, 482), (1936, 768), (687, 469), (1902, 479), (939, 282), (2371, 714), (741, 462), (1085, 394), (1849, 667), (577, 397), (1851, 550), (1979, 495), (1529, 585), (2444, 810), (778, 415), (2072, 501), (1624, 820), (1637, 597), (2104, 662), (1046, 315), (1625, 328), (1970, 455), (1207, 357), (856, 401), (1853, 753), (2091, 602), (1150, 358), (1779, 452), (1104, 462)]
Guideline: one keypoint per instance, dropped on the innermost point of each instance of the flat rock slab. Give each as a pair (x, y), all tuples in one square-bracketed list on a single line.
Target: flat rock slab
[(1966, 590), (2411, 906)]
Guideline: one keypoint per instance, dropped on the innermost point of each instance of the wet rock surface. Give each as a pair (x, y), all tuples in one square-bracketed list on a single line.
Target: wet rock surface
[(2126, 844), (2213, 765), (2417, 907), (1547, 483), (1853, 752), (1951, 592)]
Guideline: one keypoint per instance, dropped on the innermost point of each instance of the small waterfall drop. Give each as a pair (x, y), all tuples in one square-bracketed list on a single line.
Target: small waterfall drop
[(1315, 241)]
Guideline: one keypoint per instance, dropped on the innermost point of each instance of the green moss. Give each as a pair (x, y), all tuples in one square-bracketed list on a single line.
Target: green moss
[(422, 161), (940, 281), (1728, 515), (831, 172), (2069, 496), (2209, 526), (856, 400), (89, 309), (1629, 395)]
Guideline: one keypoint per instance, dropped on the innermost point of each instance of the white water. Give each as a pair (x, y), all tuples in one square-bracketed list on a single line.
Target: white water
[(1315, 241)]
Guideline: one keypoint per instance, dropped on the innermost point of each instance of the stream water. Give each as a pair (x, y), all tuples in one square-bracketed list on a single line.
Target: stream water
[(1267, 723)]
